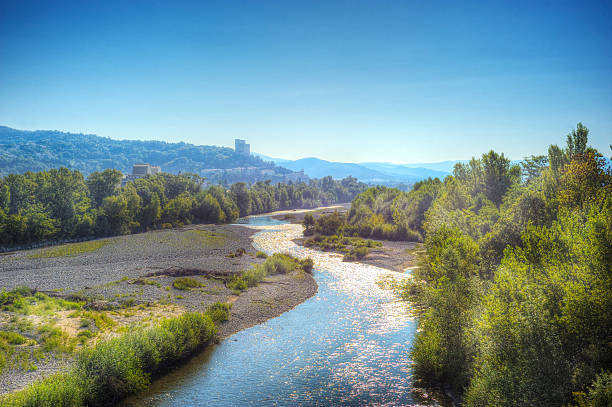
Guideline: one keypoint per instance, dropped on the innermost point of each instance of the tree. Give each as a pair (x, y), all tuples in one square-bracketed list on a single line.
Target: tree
[(207, 209), (103, 184), (533, 166), (577, 141), (308, 224), (114, 217), (242, 198), (498, 175), (151, 213)]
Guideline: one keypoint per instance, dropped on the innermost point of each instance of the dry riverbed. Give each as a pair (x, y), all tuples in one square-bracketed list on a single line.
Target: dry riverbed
[(85, 292)]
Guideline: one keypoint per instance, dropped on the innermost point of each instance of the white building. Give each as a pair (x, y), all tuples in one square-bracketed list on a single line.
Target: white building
[(241, 147)]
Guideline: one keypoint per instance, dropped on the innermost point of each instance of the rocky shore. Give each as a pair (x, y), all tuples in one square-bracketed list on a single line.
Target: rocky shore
[(131, 279)]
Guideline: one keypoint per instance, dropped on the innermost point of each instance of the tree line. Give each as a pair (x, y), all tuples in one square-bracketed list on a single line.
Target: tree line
[(515, 290), (63, 204)]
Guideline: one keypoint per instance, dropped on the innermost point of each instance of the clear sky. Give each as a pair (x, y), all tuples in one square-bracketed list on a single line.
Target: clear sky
[(400, 81)]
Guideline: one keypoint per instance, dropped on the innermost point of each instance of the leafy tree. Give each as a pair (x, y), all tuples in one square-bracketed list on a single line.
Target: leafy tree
[(308, 224), (533, 166), (241, 196), (577, 141), (103, 184), (114, 216)]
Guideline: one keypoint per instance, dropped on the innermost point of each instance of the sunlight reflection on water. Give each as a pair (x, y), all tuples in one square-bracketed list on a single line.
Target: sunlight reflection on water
[(348, 345)]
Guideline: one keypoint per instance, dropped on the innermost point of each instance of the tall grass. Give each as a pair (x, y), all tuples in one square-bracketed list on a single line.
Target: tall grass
[(113, 369)]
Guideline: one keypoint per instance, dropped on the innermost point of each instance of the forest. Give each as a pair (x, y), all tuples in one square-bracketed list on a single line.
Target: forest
[(39, 150), (514, 289), (61, 204)]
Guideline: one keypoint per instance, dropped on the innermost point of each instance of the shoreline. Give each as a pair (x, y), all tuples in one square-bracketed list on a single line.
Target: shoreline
[(274, 296)]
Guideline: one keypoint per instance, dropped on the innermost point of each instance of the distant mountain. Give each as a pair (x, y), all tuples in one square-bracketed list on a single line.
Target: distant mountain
[(407, 170), (375, 173), (22, 151), (315, 167)]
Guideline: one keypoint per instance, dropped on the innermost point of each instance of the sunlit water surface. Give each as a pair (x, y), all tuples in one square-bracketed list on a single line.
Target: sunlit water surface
[(348, 345)]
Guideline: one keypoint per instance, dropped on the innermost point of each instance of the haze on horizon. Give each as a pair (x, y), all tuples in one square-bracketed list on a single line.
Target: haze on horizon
[(403, 81)]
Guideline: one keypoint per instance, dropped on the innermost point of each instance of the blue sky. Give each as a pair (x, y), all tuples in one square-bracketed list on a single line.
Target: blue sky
[(400, 81)]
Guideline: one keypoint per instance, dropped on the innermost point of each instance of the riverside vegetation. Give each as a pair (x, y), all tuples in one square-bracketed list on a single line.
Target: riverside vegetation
[(112, 360), (60, 204), (514, 291)]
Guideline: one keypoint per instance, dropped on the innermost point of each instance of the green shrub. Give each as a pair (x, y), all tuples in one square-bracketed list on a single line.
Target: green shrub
[(356, 253), (219, 311), (280, 263), (59, 390), (237, 283), (53, 338), (261, 255), (307, 265), (186, 283), (254, 275)]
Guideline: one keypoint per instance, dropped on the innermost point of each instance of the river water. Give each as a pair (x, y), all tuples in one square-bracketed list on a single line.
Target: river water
[(347, 345)]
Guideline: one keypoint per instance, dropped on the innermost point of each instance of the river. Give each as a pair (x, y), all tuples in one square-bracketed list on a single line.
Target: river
[(347, 345)]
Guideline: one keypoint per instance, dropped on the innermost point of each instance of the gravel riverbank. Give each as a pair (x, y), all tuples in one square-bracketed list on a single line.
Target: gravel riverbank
[(127, 272)]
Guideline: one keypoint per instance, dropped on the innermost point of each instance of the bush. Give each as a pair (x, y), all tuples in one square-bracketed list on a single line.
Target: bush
[(59, 390), (280, 263), (219, 311), (356, 253), (254, 275), (237, 283), (307, 265), (186, 283), (261, 255)]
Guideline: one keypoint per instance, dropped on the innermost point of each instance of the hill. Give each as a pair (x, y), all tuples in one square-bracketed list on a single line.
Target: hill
[(376, 173), (22, 151)]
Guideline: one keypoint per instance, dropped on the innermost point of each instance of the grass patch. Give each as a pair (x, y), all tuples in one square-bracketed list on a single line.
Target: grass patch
[(237, 284), (54, 339), (200, 237), (186, 283), (261, 255), (12, 338), (146, 281), (70, 249), (25, 301), (100, 319)]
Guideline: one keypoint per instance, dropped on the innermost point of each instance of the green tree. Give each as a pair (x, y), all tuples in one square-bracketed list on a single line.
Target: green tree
[(242, 198), (498, 175), (577, 141), (308, 224), (114, 217), (103, 184)]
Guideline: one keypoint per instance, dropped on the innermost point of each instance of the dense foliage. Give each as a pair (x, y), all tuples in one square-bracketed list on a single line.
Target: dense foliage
[(62, 204), (515, 289)]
